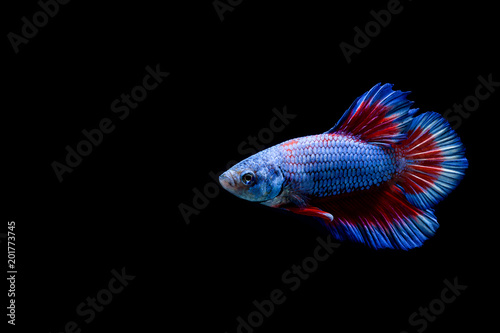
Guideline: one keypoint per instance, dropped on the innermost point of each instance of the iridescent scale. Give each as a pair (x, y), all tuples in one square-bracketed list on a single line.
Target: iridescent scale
[(331, 164)]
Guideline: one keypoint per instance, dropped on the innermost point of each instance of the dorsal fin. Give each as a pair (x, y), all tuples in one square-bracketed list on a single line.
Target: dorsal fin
[(381, 115)]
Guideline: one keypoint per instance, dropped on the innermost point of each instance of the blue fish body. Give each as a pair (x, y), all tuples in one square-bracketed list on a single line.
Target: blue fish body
[(372, 178)]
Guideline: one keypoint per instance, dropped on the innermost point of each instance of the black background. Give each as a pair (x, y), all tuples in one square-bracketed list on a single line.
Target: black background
[(120, 206)]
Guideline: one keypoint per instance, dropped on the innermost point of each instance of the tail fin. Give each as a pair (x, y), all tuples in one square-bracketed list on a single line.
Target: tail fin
[(435, 160)]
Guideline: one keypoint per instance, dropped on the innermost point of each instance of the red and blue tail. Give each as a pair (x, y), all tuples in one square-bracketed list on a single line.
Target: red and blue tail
[(434, 158), (431, 162)]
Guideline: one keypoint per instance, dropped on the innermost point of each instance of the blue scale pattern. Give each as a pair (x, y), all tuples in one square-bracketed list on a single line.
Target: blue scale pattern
[(332, 164)]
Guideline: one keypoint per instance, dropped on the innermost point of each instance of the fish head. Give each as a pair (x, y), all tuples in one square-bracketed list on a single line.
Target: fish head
[(253, 179)]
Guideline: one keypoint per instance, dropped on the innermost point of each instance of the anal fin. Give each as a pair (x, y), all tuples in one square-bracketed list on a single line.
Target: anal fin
[(382, 218)]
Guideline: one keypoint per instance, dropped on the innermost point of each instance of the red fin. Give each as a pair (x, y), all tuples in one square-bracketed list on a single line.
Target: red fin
[(435, 160), (382, 218), (312, 211), (380, 115)]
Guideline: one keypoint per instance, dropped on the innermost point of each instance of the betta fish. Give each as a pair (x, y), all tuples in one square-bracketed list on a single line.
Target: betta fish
[(373, 178)]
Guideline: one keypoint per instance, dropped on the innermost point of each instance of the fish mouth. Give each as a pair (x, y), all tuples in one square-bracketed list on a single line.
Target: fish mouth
[(228, 180)]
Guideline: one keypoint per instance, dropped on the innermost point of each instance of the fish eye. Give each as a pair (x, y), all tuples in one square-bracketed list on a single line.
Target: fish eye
[(247, 178)]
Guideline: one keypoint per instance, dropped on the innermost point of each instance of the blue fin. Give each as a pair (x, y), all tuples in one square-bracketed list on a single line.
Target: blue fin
[(435, 160), (380, 219), (380, 115)]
